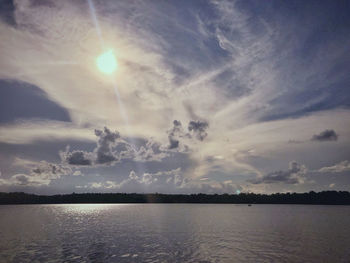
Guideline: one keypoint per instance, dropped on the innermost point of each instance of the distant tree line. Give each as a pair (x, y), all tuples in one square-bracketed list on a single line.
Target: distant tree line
[(325, 198)]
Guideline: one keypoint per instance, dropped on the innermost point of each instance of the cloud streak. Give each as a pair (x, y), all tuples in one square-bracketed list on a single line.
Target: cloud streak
[(294, 175), (326, 135), (341, 167)]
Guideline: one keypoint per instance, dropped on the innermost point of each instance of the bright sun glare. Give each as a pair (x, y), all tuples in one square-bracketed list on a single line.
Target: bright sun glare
[(107, 62)]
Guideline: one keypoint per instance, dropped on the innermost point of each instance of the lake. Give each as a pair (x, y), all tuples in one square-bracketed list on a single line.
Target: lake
[(174, 233)]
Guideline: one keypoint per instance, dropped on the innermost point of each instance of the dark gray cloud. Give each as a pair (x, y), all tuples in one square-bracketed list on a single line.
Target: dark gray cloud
[(327, 135), (173, 143), (78, 158), (106, 140), (174, 134), (294, 175), (199, 129), (50, 170), (21, 100), (104, 153), (7, 9), (195, 128), (112, 148)]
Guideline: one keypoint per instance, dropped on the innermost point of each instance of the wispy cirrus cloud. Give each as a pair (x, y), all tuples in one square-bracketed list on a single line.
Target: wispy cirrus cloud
[(239, 78)]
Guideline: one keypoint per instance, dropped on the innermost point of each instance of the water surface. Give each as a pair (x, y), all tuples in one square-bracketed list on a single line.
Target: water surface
[(174, 233)]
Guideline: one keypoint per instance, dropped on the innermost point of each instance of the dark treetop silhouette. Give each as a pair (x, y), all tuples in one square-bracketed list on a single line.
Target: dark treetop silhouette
[(326, 198)]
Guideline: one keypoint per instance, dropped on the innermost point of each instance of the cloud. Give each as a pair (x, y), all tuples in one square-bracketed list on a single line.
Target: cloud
[(294, 175), (7, 11), (25, 180), (135, 182), (103, 154), (112, 148), (226, 63), (153, 182), (343, 166), (174, 134), (146, 182), (78, 173), (326, 135), (152, 151), (50, 170), (171, 181), (105, 143), (292, 141), (43, 168), (39, 173), (199, 129), (21, 100), (76, 157), (177, 133)]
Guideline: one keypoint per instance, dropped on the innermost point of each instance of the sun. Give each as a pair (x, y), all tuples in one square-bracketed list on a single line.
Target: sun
[(107, 62)]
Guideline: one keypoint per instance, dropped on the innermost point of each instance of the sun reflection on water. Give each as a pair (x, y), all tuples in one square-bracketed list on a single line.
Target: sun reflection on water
[(89, 208)]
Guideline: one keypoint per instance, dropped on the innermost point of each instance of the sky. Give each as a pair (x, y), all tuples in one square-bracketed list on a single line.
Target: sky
[(207, 96)]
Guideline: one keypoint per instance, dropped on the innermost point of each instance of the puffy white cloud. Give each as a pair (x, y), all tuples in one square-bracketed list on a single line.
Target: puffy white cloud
[(152, 151), (111, 148), (172, 181)]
